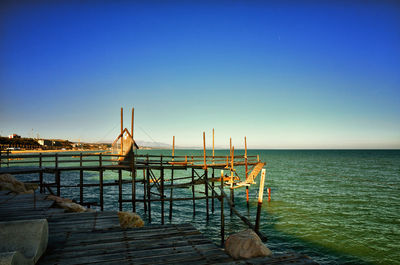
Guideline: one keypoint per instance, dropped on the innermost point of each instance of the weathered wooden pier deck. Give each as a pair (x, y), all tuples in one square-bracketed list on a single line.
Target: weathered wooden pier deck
[(96, 238)]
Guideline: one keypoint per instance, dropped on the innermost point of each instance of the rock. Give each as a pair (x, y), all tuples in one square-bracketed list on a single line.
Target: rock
[(246, 244), (129, 220), (23, 242), (57, 199), (8, 182), (71, 207)]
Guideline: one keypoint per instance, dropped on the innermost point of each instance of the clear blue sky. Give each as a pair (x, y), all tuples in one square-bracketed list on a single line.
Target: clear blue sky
[(285, 75)]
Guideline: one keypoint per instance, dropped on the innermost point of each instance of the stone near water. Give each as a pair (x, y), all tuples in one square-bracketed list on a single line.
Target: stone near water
[(8, 182), (23, 242), (57, 199), (129, 220), (71, 207), (246, 244)]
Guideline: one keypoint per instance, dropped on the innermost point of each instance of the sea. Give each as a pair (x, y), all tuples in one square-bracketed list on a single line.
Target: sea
[(335, 206)]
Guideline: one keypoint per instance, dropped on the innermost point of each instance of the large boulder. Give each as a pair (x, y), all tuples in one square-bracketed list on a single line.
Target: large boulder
[(23, 242), (8, 182), (246, 244), (129, 220)]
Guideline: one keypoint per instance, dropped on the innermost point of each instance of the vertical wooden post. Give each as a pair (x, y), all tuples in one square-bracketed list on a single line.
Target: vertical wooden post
[(120, 188), (213, 191), (194, 201), (231, 187), (246, 170), (101, 183), (148, 188), (132, 122), (206, 192), (162, 190), (41, 173), (260, 199), (122, 130), (133, 183), (204, 150), (80, 179), (144, 191), (172, 179), (213, 148), (230, 146), (222, 210), (58, 177)]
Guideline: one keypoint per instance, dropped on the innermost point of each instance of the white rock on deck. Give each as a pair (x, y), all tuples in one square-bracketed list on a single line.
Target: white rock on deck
[(246, 244), (23, 242)]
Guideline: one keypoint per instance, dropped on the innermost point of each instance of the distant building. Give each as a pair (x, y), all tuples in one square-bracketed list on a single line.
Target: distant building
[(12, 136), (44, 142)]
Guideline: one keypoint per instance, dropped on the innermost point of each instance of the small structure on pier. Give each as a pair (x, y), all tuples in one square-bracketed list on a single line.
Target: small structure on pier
[(124, 145)]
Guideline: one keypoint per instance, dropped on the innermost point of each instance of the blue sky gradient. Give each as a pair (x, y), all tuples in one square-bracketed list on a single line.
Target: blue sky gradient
[(285, 75)]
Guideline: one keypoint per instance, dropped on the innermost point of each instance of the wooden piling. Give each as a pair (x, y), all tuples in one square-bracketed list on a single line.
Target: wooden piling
[(133, 110), (162, 189), (213, 148), (194, 200), (172, 180), (232, 192), (148, 189), (246, 172), (80, 179), (213, 192), (133, 182), (260, 199), (122, 131), (120, 188), (101, 183), (222, 211), (204, 150), (144, 191), (40, 174), (58, 176), (206, 192)]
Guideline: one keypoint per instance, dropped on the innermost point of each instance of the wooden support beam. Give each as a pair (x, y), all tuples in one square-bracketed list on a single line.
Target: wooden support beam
[(213, 147), (194, 201), (148, 189), (133, 183), (120, 189), (144, 191), (162, 190), (213, 192), (246, 172), (133, 111), (206, 192), (260, 199), (101, 184), (204, 150), (122, 131), (40, 174), (222, 211), (80, 179), (172, 180)]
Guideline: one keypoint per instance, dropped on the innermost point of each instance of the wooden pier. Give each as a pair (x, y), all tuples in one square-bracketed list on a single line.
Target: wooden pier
[(153, 174), (96, 238)]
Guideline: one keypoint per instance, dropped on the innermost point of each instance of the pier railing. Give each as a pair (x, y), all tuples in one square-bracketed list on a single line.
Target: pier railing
[(154, 184)]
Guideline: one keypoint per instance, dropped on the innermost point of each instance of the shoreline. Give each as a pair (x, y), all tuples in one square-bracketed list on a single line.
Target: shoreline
[(54, 151)]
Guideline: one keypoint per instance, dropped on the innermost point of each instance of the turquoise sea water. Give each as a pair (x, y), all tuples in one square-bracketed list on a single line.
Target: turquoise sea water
[(336, 206)]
